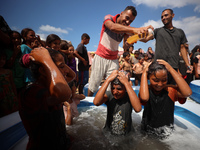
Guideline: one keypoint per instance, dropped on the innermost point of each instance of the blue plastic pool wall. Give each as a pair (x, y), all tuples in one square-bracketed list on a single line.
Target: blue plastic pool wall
[(15, 133), (195, 92)]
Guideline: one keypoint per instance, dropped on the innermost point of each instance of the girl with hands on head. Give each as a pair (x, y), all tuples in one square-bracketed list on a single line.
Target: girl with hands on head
[(120, 101), (158, 97)]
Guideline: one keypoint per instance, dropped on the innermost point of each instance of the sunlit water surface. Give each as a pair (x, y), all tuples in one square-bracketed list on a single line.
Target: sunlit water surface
[(88, 135)]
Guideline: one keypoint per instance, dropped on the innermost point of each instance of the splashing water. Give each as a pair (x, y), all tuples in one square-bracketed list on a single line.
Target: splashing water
[(87, 134)]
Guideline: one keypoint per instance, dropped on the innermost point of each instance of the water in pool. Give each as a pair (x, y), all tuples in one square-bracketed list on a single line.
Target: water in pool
[(88, 135)]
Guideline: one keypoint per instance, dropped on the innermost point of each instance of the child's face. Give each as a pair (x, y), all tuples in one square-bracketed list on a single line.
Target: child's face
[(71, 52), (71, 49), (146, 58), (117, 91), (127, 57), (130, 49), (86, 41), (141, 60), (159, 80), (30, 36), (60, 63), (136, 55), (55, 45), (16, 39)]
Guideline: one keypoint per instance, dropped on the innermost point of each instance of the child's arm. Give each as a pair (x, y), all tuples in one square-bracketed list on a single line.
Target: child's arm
[(183, 87), (131, 93), (80, 58), (134, 67), (101, 97), (68, 119), (144, 89), (122, 66), (58, 87)]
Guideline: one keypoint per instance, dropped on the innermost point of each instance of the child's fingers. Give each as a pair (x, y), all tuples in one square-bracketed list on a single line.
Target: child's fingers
[(31, 58)]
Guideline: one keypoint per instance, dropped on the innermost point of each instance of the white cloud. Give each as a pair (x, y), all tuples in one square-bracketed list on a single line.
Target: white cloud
[(48, 28), (190, 26), (167, 3), (197, 9), (42, 36)]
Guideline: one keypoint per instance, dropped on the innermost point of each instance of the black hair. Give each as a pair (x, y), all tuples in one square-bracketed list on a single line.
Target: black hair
[(137, 52), (171, 11), (125, 54), (116, 80), (35, 67), (64, 45), (85, 35), (52, 37), (154, 67), (145, 54), (13, 31), (133, 10)]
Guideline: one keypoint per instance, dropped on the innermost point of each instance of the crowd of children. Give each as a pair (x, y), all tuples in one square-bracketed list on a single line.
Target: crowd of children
[(41, 77)]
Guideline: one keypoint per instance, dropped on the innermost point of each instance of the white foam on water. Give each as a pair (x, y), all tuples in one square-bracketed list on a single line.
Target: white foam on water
[(87, 133)]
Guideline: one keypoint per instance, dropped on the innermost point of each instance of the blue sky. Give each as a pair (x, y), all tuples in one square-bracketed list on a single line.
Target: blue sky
[(69, 19)]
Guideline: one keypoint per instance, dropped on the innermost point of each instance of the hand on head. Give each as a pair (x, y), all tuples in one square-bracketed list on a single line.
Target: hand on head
[(122, 77), (160, 61), (39, 54), (147, 67), (113, 75)]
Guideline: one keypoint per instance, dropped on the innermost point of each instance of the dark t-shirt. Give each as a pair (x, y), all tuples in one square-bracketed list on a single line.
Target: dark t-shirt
[(82, 51), (168, 43), (159, 111), (119, 111), (44, 124)]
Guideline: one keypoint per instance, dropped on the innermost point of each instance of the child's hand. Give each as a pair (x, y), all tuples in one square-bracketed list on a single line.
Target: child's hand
[(147, 67), (113, 75), (123, 78), (39, 55), (160, 61)]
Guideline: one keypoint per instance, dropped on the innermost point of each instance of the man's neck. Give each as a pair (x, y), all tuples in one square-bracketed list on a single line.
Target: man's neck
[(170, 26)]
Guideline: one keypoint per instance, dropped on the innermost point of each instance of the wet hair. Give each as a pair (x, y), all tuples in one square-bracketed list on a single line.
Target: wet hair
[(85, 35), (133, 10), (125, 54), (116, 80), (52, 37), (24, 33), (154, 67), (171, 11), (35, 67), (64, 45)]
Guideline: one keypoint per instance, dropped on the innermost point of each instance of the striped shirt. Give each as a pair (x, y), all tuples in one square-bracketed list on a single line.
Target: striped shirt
[(109, 41)]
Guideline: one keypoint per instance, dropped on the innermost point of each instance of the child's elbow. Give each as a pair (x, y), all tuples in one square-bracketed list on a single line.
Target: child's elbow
[(138, 109), (96, 103), (189, 93)]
